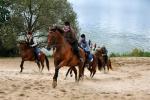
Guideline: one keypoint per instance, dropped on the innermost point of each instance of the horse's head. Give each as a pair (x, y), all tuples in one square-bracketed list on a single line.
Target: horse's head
[(98, 52), (54, 36)]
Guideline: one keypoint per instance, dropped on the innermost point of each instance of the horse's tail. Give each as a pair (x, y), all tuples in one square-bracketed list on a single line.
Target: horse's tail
[(47, 62), (110, 66)]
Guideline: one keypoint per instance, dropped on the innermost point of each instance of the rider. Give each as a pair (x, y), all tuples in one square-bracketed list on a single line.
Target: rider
[(70, 36), (33, 44), (84, 45), (105, 50), (105, 53)]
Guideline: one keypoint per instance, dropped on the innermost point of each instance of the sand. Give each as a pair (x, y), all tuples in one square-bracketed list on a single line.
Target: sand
[(129, 80)]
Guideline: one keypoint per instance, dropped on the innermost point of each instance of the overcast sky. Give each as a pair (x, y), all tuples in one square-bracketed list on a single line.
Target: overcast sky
[(118, 18)]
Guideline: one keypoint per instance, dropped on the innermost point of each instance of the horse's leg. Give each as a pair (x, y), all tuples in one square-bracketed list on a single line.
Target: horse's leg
[(42, 64), (75, 72), (54, 84), (38, 66), (95, 66), (68, 72), (47, 62), (94, 71), (91, 69), (107, 66), (21, 66), (81, 71), (71, 73), (103, 63), (104, 68), (91, 73)]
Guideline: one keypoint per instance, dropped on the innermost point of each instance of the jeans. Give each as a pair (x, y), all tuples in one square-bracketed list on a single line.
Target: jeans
[(36, 52)]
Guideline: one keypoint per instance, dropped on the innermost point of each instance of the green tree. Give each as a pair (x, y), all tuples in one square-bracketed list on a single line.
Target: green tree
[(40, 14), (4, 12), (18, 16), (7, 36)]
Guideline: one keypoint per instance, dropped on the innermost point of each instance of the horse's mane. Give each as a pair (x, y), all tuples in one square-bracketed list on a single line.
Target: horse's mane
[(56, 28), (22, 42), (25, 43)]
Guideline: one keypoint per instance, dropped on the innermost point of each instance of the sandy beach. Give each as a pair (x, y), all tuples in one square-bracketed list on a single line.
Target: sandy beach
[(129, 80)]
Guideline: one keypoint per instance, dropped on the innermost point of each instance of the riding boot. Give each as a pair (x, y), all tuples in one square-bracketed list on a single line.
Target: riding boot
[(76, 50), (77, 53)]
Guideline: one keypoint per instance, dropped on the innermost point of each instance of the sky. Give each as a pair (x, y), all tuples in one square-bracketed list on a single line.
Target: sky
[(120, 25)]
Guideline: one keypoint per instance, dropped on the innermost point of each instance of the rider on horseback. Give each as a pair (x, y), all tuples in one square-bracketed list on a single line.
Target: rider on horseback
[(84, 45), (33, 44), (104, 53), (70, 36)]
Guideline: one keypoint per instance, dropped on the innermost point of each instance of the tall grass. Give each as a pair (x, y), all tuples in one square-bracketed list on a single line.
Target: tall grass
[(136, 52)]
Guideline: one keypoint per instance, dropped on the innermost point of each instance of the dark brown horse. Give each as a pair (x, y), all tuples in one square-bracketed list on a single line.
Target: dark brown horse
[(63, 55), (27, 54), (102, 59)]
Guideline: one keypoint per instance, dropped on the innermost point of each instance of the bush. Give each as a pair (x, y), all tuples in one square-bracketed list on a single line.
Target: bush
[(134, 53)]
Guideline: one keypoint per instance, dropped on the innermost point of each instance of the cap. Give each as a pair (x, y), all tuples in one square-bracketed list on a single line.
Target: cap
[(83, 35)]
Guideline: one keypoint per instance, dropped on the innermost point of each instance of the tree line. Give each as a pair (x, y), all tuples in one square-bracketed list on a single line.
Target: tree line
[(18, 16), (136, 52)]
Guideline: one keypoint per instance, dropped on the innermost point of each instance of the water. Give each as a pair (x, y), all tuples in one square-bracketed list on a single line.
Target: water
[(120, 25)]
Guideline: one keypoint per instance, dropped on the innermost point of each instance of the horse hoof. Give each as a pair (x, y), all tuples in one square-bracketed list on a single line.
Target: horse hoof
[(54, 84)]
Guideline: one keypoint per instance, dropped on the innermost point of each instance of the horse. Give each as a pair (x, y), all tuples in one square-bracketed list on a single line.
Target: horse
[(102, 59), (91, 66), (27, 54), (63, 55)]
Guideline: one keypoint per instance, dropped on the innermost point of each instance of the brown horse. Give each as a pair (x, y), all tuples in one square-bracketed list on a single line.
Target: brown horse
[(63, 55), (102, 59), (91, 66), (27, 54)]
